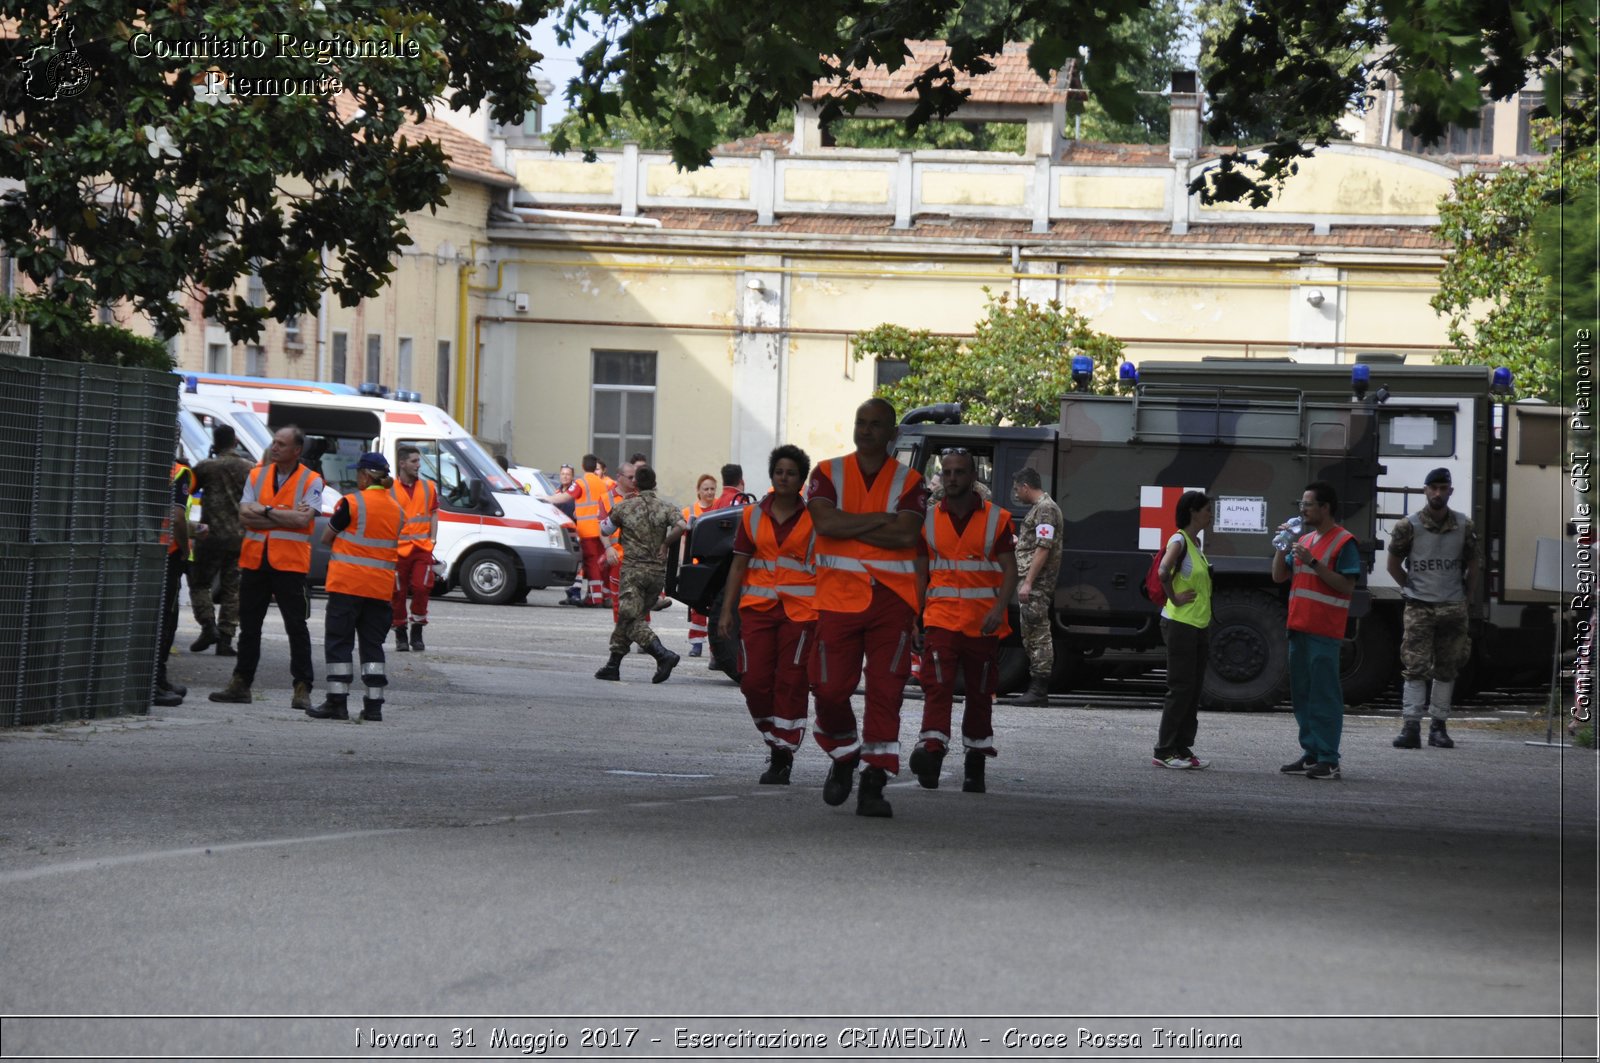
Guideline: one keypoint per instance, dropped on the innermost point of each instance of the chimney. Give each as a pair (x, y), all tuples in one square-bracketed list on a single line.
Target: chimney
[(1185, 116)]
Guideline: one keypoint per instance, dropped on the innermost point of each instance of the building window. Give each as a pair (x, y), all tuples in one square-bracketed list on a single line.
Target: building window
[(291, 333), (623, 414), (1457, 140), (105, 315), (1527, 103), (255, 360), (441, 394), (374, 359), (340, 354), (217, 358), (402, 364), (256, 291), (888, 371)]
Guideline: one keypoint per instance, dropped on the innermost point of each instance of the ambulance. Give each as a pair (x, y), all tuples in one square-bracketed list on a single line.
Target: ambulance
[(495, 542)]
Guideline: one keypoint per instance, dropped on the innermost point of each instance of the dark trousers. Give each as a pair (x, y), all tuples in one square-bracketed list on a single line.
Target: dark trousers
[(258, 588), (350, 619), (176, 564), (1187, 647)]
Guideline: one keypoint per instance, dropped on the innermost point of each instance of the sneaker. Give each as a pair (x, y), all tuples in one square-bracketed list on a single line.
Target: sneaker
[(1323, 771), (1298, 767), (1175, 762), (1198, 763)]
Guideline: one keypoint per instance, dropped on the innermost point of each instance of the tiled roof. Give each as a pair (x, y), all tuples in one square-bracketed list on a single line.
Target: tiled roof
[(1011, 81), (1091, 232), (756, 144), (467, 157)]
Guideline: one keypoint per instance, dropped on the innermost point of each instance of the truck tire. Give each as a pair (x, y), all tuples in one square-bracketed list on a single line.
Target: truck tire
[(723, 645), (489, 577), (1367, 664), (1248, 669)]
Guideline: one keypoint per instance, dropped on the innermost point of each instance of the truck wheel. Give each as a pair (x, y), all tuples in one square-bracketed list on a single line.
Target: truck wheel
[(724, 645), (1248, 669), (489, 577), (1367, 664)]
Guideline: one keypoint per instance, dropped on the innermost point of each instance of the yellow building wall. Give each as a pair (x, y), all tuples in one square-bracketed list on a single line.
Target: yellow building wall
[(1388, 307), (1330, 183), (711, 182), (809, 185), (859, 293), (572, 178), (942, 188), (1154, 304), (554, 375), (1116, 193), (825, 388)]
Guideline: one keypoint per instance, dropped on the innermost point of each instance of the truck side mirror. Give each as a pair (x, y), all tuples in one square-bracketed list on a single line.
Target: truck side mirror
[(475, 494)]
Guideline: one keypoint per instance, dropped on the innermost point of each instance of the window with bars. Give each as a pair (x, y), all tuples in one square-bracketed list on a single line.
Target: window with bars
[(256, 290), (339, 354), (291, 333), (623, 405)]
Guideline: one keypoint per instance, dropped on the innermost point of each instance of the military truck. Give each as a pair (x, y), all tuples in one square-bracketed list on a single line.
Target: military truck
[(1251, 434)]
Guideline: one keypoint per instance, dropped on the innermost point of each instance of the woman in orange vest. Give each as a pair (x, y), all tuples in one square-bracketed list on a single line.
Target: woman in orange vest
[(774, 582), (364, 533), (705, 492), (972, 577)]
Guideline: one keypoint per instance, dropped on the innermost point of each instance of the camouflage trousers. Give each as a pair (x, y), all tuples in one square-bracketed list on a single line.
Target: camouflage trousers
[(637, 592), (1436, 643), (215, 561), (1036, 635)]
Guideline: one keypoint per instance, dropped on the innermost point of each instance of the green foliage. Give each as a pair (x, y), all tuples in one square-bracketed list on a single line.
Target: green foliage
[(950, 135), (723, 124), (1522, 256), (1155, 36), (142, 184), (61, 336), (1013, 371)]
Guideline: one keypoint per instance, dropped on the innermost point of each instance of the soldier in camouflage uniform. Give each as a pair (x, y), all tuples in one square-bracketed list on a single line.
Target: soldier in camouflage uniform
[(647, 527), (221, 479), (1433, 556), (1038, 561)]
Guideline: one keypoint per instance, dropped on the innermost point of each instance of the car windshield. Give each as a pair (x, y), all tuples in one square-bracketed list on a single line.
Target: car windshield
[(481, 465)]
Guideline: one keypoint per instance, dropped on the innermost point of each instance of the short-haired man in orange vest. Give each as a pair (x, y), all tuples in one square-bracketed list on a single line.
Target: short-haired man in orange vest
[(280, 504), (419, 501), (867, 509), (972, 575), (364, 533), (1325, 568)]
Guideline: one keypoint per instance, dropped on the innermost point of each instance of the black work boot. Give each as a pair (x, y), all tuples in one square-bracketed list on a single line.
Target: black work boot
[(1439, 737), (1038, 693), (973, 781), (225, 646), (925, 764), (333, 707), (841, 777), (777, 773), (401, 643), (371, 711), (1410, 736), (612, 669), (416, 638), (166, 697), (208, 638), (237, 691), (666, 660), (869, 798)]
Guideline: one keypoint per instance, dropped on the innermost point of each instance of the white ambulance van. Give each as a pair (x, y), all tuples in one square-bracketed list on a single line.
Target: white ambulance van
[(495, 542)]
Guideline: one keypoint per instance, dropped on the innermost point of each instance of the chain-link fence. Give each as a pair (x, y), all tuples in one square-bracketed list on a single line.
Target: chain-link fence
[(85, 487)]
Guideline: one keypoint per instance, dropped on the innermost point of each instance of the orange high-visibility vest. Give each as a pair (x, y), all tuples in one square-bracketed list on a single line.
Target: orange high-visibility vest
[(964, 572), (418, 507), (1315, 607), (780, 572), (286, 549), (181, 473), (363, 558), (595, 505), (847, 568)]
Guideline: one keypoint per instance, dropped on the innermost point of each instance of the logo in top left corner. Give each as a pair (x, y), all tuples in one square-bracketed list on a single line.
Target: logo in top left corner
[(56, 71)]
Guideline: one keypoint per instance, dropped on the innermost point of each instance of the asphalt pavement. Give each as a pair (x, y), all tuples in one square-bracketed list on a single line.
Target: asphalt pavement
[(523, 851)]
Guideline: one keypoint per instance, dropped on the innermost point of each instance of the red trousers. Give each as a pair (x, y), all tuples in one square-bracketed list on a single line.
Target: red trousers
[(943, 652), (593, 552), (883, 632), (413, 579), (773, 657)]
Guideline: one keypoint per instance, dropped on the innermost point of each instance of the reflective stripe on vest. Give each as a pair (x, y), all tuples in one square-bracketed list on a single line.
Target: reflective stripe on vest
[(418, 509), (180, 472), (964, 571), (847, 568), (363, 558), (780, 572), (1315, 607), (287, 550), (594, 506)]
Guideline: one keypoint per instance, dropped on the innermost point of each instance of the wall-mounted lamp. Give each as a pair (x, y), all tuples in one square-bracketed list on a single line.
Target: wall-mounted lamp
[(1315, 297)]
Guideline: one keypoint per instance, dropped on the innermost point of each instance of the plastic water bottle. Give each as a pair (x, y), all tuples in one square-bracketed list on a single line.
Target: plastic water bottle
[(1287, 536)]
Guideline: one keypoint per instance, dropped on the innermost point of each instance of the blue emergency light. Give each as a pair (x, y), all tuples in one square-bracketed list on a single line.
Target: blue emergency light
[(1360, 379), (1500, 382), (1128, 373), (1082, 371)]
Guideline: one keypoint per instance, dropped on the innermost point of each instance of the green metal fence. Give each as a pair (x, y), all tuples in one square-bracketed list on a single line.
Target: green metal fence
[(84, 489)]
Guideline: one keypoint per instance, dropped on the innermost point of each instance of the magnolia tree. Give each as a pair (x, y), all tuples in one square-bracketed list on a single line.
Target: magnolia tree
[(158, 149), (1013, 370)]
